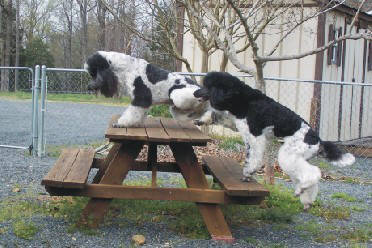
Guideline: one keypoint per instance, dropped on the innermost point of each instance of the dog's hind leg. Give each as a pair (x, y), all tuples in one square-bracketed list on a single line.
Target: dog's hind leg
[(308, 196)]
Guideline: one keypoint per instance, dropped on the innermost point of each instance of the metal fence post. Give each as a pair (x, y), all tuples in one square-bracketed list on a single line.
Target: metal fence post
[(41, 141), (35, 109)]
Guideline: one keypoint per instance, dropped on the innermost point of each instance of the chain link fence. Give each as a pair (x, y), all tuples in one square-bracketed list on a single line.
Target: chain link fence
[(16, 78), (338, 111)]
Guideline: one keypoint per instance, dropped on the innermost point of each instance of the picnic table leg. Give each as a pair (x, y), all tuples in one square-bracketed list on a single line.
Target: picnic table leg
[(195, 178), (117, 169)]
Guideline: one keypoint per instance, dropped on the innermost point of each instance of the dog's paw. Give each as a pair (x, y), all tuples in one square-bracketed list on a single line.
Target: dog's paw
[(247, 179), (117, 125), (307, 207), (198, 122)]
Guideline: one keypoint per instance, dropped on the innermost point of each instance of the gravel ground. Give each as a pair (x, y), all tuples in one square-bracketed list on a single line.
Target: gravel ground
[(72, 123)]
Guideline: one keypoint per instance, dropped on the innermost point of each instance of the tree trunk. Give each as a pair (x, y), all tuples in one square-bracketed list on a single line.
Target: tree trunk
[(101, 16), (260, 81), (17, 45), (8, 36), (205, 57), (84, 29), (224, 61)]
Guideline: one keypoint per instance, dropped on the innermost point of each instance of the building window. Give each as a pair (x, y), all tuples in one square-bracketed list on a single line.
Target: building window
[(335, 51)]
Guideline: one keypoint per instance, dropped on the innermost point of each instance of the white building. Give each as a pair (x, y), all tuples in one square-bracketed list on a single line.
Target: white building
[(337, 112)]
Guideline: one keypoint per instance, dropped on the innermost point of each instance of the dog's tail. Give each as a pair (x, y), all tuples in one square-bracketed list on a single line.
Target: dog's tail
[(330, 151)]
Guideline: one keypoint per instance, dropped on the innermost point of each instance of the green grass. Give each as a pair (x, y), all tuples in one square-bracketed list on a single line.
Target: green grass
[(24, 230), (228, 142), (330, 211), (55, 150), (361, 234), (161, 110), (344, 196), (83, 98)]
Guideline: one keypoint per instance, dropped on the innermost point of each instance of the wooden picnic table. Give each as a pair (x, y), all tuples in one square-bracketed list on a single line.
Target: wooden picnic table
[(69, 174)]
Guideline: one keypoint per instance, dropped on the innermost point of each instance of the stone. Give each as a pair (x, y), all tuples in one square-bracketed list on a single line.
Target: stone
[(138, 239)]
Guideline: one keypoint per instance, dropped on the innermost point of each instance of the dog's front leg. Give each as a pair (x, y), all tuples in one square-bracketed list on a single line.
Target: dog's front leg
[(133, 116), (254, 158)]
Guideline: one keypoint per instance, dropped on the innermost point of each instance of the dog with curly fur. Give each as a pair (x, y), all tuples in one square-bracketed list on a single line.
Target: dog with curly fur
[(116, 73), (258, 118)]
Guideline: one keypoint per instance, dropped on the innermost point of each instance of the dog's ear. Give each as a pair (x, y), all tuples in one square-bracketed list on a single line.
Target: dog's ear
[(107, 81)]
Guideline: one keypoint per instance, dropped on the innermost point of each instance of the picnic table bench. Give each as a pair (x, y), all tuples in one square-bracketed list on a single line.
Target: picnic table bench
[(70, 173)]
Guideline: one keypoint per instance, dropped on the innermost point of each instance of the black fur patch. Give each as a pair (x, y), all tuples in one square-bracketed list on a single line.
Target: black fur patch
[(108, 82), (330, 151), (174, 87), (177, 81), (96, 62), (155, 74), (142, 94), (190, 81), (311, 138), (227, 92)]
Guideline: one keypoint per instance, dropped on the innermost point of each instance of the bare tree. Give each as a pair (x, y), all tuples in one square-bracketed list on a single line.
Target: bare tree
[(254, 19), (84, 9), (101, 17), (4, 83), (18, 44), (67, 9)]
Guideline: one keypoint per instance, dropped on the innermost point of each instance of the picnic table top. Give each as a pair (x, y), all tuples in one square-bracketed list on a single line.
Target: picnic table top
[(162, 130)]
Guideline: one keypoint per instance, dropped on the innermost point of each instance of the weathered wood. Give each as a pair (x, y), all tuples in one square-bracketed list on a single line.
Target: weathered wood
[(193, 132), (71, 169), (154, 130), (195, 178), (106, 162), (117, 170), (228, 173), (174, 130), (79, 172)]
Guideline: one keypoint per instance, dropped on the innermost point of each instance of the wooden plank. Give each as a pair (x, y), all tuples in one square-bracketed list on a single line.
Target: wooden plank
[(174, 130), (78, 175), (106, 191), (155, 131), (61, 168), (136, 133), (228, 173), (112, 132), (193, 132), (195, 178), (130, 133)]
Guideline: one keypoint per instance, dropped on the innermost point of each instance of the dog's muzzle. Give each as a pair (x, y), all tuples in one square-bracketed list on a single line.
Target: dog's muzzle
[(202, 93)]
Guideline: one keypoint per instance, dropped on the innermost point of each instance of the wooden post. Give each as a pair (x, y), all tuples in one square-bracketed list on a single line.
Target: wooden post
[(151, 162), (195, 178), (115, 173)]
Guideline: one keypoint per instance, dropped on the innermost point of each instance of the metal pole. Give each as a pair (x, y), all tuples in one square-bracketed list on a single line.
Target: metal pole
[(35, 98), (41, 143)]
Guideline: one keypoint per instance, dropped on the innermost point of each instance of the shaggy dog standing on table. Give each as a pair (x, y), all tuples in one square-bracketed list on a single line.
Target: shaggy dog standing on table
[(258, 117), (118, 73)]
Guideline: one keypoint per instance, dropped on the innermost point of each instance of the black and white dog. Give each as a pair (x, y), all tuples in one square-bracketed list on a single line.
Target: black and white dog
[(118, 73), (258, 117)]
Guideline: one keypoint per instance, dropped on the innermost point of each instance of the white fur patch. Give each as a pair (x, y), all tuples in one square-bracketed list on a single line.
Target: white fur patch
[(346, 159)]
